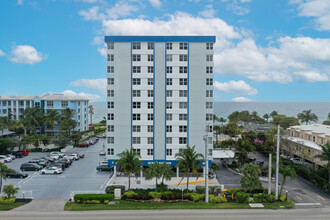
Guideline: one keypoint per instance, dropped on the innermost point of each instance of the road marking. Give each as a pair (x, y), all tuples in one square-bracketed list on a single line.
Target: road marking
[(299, 198), (307, 204), (320, 197)]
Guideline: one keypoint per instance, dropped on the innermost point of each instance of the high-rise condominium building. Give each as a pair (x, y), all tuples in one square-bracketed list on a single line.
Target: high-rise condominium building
[(159, 95)]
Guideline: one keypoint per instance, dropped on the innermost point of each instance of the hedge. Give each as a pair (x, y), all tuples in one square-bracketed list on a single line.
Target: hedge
[(93, 198), (263, 197), (212, 189), (234, 190), (156, 195), (111, 189), (4, 200), (214, 199), (242, 197), (194, 196)]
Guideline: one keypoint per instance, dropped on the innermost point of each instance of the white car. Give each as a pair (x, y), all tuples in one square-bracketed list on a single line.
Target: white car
[(296, 161), (5, 158), (102, 152), (285, 156), (54, 157), (72, 156), (57, 153), (51, 170), (13, 157)]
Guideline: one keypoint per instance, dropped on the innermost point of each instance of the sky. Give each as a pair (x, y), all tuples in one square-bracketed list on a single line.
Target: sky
[(266, 50)]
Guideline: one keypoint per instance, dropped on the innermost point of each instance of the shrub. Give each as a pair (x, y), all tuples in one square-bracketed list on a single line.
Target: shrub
[(36, 149), (10, 190), (87, 198), (214, 199), (215, 189), (4, 200), (161, 187), (212, 189), (130, 195), (155, 195), (242, 197), (260, 197), (194, 196), (282, 197), (271, 198), (111, 189), (234, 190)]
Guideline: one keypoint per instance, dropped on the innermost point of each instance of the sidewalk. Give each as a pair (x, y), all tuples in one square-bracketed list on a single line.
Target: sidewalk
[(43, 205)]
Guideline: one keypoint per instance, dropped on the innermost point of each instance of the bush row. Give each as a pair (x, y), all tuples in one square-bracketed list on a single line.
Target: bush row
[(212, 189), (111, 189), (214, 199), (242, 197), (4, 200), (93, 198)]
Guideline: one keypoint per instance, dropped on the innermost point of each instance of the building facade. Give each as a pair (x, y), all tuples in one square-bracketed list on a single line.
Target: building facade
[(159, 95), (15, 105)]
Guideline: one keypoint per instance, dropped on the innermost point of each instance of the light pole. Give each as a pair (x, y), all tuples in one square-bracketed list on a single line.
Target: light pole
[(206, 171), (277, 161)]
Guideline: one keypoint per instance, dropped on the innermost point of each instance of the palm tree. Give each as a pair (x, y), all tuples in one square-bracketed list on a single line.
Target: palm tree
[(222, 120), (154, 171), (52, 117), (189, 161), (273, 114), (3, 173), (66, 120), (234, 117), (266, 117), (325, 156), (307, 116), (250, 181), (91, 112), (32, 118), (129, 162), (254, 116), (242, 149), (166, 171), (287, 171)]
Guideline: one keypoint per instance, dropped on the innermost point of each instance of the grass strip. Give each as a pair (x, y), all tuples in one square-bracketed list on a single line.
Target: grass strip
[(5, 207)]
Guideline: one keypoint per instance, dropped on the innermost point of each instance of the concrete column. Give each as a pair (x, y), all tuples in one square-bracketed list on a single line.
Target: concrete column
[(115, 171), (204, 171), (177, 172), (141, 173)]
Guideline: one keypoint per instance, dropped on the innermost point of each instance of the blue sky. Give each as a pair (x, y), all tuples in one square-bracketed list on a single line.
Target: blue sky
[(266, 50)]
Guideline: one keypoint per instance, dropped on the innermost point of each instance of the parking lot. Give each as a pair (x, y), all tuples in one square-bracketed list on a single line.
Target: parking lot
[(80, 176)]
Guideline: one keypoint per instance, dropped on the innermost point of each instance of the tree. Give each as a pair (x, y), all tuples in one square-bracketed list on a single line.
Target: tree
[(222, 120), (266, 117), (214, 167), (254, 117), (3, 173), (325, 156), (287, 171), (61, 140), (66, 120), (242, 149), (2, 124), (91, 112), (10, 190), (32, 119), (234, 117), (273, 114), (250, 181), (215, 118), (307, 116), (129, 162), (285, 121), (153, 171), (189, 161), (231, 129), (166, 171), (52, 118)]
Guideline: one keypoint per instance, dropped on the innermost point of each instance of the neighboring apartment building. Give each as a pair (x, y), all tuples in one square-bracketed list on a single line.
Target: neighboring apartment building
[(14, 106), (159, 95)]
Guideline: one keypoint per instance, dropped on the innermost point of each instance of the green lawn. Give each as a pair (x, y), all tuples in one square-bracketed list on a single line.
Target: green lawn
[(190, 205), (4, 207)]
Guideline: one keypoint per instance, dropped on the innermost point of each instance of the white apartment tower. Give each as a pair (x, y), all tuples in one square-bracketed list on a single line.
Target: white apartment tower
[(159, 95)]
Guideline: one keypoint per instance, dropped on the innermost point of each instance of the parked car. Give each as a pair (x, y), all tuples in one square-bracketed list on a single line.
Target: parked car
[(57, 153), (250, 160), (17, 154), (258, 162), (54, 157), (18, 174), (25, 152), (5, 158), (72, 156), (66, 161), (296, 161), (81, 155), (13, 157), (51, 170), (285, 156), (49, 159), (38, 161), (57, 164), (30, 167), (83, 144), (102, 152), (104, 168)]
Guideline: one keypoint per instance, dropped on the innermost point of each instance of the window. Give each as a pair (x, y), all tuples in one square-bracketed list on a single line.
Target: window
[(169, 128), (150, 81), (111, 46), (169, 46), (209, 128), (111, 116), (182, 140), (150, 140), (150, 46), (137, 151), (209, 57), (111, 104), (136, 128), (209, 140), (209, 93), (64, 104), (150, 105), (111, 57), (150, 57), (136, 57), (169, 105), (150, 69), (111, 81), (150, 117), (150, 93), (182, 128), (136, 69), (150, 128), (50, 104), (183, 69), (111, 93), (209, 46), (183, 46), (183, 57), (209, 82), (111, 151), (4, 103), (168, 152), (111, 140), (136, 104), (169, 93), (209, 69), (183, 105), (183, 117), (183, 82), (169, 69), (136, 46), (110, 69), (209, 105), (209, 117), (136, 140), (136, 93), (183, 93), (169, 81), (136, 81), (136, 117), (150, 152), (169, 57), (169, 117), (169, 140), (111, 128)]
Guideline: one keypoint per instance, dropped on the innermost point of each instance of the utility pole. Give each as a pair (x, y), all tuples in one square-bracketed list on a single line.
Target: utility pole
[(206, 170), (270, 174), (277, 161)]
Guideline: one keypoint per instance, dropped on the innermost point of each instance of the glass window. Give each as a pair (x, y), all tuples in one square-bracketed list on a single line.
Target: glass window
[(111, 81), (150, 93), (150, 81), (150, 57), (169, 105), (183, 105), (111, 46), (182, 140), (111, 104), (150, 46), (111, 57), (169, 69), (150, 152), (183, 69), (136, 140), (183, 117), (182, 128), (150, 128), (209, 57), (209, 46), (136, 117), (136, 46), (209, 69), (111, 128), (169, 46), (136, 128), (169, 140), (136, 104), (169, 57), (136, 69), (169, 117), (169, 93), (209, 82), (168, 152), (136, 93), (111, 151), (169, 128), (183, 57), (183, 46), (209, 105), (137, 151), (111, 116), (136, 57), (169, 81), (150, 105), (150, 140), (111, 93), (150, 117), (150, 69), (183, 93), (136, 81), (110, 69), (183, 82)]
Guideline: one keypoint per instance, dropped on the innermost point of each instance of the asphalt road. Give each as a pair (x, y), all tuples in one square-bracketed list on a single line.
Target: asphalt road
[(232, 214), (80, 176)]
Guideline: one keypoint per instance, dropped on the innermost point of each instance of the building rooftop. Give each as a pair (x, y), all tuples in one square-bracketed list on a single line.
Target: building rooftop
[(47, 97), (307, 143), (189, 38), (314, 128)]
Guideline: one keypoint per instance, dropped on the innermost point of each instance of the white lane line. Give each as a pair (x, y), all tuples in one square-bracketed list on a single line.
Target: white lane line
[(307, 204)]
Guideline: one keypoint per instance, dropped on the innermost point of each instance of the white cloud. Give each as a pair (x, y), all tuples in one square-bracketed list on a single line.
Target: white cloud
[(98, 40), (241, 99), (208, 12), (312, 76), (155, 3), (2, 53), (97, 84), (87, 1), (317, 9), (237, 87), (243, 1), (26, 54), (91, 97), (92, 14), (102, 51), (19, 2)]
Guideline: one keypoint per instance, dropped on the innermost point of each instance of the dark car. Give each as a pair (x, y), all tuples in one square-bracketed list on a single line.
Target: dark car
[(47, 159), (81, 155), (66, 162), (251, 160), (258, 162), (30, 167), (57, 164), (104, 168), (18, 174), (39, 162), (17, 154)]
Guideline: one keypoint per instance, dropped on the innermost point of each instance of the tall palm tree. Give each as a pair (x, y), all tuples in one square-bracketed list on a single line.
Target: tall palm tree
[(266, 117), (234, 117), (287, 171), (91, 112), (325, 156), (3, 173), (32, 118), (189, 161), (254, 116), (166, 172), (250, 181), (222, 120), (154, 171), (66, 120), (307, 116), (2, 124), (52, 117), (273, 114), (129, 162)]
